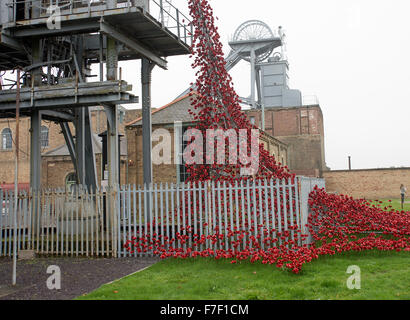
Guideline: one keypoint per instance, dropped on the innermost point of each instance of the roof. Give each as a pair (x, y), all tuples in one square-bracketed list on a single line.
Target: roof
[(176, 110), (266, 136), (62, 150)]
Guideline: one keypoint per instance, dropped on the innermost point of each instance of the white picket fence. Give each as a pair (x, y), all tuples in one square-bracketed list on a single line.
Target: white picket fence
[(81, 223)]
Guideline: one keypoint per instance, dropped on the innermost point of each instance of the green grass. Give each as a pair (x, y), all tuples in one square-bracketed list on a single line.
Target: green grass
[(394, 203), (384, 275)]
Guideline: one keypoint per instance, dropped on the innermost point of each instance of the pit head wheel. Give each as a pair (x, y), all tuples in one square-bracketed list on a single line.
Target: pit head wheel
[(254, 30)]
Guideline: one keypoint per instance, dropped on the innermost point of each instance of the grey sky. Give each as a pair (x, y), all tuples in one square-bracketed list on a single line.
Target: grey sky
[(353, 54)]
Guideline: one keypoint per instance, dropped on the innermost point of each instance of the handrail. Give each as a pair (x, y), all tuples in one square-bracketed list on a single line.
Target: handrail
[(181, 25)]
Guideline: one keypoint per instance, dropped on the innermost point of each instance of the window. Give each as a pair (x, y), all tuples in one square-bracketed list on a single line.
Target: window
[(183, 172), (70, 181), (44, 137), (6, 139)]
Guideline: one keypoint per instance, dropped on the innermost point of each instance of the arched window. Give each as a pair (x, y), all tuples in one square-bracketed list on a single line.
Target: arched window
[(44, 136), (6, 139), (70, 180)]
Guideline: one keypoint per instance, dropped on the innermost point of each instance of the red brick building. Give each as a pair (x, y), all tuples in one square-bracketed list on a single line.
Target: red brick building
[(302, 130)]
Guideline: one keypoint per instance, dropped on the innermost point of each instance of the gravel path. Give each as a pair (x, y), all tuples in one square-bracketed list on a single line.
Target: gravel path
[(78, 276)]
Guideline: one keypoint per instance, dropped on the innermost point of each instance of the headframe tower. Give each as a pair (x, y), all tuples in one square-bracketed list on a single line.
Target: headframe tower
[(255, 42)]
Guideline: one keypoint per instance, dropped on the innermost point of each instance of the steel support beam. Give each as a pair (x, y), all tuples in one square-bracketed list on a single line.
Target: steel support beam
[(10, 42), (112, 59), (146, 70), (113, 168), (35, 147), (35, 151), (253, 78), (69, 102), (139, 48), (57, 116), (85, 155), (112, 145), (67, 29), (112, 116), (112, 141), (79, 124), (90, 167), (69, 140), (37, 57)]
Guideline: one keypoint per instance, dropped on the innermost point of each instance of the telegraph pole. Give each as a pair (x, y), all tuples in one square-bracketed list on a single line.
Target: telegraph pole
[(16, 171)]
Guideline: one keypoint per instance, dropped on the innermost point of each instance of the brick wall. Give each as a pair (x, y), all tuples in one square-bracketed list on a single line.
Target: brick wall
[(369, 184), (306, 154), (56, 169), (161, 173), (290, 121), (7, 157), (302, 129)]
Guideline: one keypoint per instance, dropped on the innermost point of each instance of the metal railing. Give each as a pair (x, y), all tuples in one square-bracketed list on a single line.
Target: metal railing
[(58, 222), (173, 19), (242, 213), (167, 14), (99, 223)]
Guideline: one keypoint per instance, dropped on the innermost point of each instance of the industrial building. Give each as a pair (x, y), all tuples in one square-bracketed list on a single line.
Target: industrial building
[(54, 46)]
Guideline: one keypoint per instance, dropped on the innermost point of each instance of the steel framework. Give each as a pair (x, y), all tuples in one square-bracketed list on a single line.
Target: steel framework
[(54, 44)]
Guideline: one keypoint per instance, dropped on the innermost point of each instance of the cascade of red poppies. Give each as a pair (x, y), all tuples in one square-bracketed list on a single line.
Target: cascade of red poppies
[(216, 104), (337, 223), (341, 223)]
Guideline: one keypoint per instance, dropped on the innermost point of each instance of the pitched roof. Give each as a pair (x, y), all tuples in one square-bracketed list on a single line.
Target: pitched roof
[(176, 110)]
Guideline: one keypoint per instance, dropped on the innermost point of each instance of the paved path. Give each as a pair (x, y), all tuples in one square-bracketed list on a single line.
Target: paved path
[(78, 276)]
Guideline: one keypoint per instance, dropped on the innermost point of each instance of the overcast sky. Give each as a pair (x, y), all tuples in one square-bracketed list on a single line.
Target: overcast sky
[(353, 54)]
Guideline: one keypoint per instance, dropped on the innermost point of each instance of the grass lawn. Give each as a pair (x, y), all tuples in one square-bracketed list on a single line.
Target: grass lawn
[(395, 203), (384, 275)]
